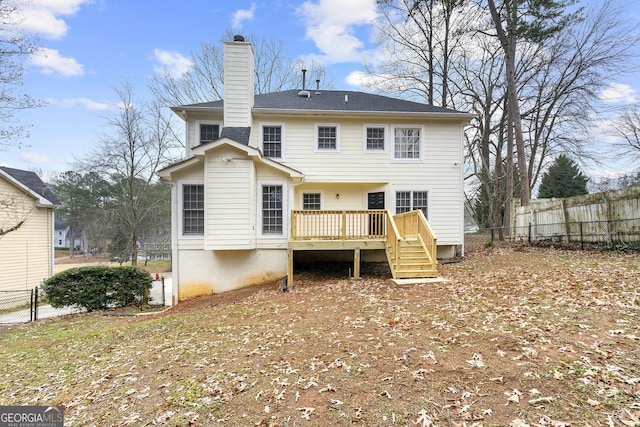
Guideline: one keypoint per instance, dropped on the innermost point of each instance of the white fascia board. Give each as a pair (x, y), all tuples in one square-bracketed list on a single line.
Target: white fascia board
[(41, 201), (165, 174)]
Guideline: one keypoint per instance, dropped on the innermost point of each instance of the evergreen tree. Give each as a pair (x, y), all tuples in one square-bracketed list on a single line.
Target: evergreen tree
[(563, 179)]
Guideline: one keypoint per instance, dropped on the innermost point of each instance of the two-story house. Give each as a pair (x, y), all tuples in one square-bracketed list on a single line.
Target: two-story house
[(299, 174)]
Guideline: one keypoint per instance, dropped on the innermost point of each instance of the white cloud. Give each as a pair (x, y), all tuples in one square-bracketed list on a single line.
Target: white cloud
[(172, 62), (44, 16), (364, 80), (33, 157), (331, 25), (51, 62), (618, 93), (87, 104), (242, 15)]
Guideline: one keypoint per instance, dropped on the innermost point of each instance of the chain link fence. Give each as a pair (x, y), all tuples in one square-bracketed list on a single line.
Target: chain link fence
[(23, 306), (621, 232)]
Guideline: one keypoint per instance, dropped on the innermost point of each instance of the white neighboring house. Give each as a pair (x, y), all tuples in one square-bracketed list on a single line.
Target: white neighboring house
[(62, 239), (302, 174), (26, 253)]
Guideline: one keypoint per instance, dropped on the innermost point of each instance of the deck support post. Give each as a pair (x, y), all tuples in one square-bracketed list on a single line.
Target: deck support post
[(356, 263), (290, 268)]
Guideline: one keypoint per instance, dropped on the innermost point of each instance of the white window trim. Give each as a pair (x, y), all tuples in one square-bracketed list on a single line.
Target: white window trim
[(261, 125), (205, 122), (312, 192), (181, 234), (392, 142), (285, 210), (364, 137), (315, 139), (411, 189)]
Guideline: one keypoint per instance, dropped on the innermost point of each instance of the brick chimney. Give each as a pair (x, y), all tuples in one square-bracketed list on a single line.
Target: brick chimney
[(238, 82)]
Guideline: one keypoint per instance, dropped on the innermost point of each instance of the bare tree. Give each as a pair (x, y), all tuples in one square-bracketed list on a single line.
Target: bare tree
[(417, 38), (561, 91), (15, 49), (558, 83), (628, 128), (141, 142), (14, 212), (274, 69), (524, 21)]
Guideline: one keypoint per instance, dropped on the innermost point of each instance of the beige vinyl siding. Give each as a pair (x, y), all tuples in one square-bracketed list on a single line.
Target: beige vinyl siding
[(265, 174), (193, 125), (229, 222), (25, 254), (439, 172), (192, 175), (443, 161), (238, 84)]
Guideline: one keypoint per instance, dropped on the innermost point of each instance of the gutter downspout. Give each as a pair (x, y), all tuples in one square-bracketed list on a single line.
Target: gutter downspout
[(175, 270), (187, 148)]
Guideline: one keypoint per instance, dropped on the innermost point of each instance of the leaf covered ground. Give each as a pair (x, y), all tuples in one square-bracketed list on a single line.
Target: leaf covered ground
[(516, 336)]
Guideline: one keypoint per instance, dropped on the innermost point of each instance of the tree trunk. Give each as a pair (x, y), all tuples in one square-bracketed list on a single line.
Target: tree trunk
[(508, 41)]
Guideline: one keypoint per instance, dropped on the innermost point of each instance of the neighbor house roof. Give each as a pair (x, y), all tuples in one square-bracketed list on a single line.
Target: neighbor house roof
[(31, 183), (336, 101)]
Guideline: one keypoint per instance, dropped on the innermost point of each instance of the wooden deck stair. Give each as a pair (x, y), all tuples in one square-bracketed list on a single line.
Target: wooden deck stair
[(411, 247)]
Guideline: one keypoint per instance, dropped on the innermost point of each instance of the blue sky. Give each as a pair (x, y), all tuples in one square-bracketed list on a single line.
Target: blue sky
[(91, 45)]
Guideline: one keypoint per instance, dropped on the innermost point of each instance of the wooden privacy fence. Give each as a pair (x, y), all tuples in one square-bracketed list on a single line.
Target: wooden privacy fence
[(608, 217)]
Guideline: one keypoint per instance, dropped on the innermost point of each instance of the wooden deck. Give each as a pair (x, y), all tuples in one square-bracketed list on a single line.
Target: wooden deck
[(407, 238)]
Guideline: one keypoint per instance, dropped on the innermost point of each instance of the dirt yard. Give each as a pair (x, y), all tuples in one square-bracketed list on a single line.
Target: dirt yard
[(517, 336)]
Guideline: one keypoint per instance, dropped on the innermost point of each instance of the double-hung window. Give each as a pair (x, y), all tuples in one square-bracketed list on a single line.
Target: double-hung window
[(407, 143), (412, 200), (272, 210), (327, 137), (192, 209), (209, 132), (375, 138), (272, 141)]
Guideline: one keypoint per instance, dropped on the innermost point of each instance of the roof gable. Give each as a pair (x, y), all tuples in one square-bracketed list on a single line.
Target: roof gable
[(252, 153), (30, 183)]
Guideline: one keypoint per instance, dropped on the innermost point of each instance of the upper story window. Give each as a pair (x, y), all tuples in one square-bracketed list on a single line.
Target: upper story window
[(208, 132), (407, 143), (192, 209), (375, 138), (311, 201), (272, 139), (327, 137)]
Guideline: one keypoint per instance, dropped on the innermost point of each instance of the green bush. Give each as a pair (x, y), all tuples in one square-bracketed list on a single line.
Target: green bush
[(98, 288)]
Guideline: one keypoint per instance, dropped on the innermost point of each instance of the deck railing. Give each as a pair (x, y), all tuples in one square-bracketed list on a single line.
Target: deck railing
[(338, 225), (393, 238)]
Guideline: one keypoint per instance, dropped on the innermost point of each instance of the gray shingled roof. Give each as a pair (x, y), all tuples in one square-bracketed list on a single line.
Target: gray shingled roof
[(32, 181), (239, 134), (332, 100)]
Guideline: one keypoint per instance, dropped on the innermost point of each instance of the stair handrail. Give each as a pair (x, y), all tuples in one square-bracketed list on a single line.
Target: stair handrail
[(428, 236), (394, 238)]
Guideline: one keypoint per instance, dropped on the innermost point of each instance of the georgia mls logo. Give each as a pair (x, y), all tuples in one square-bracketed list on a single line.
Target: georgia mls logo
[(31, 416)]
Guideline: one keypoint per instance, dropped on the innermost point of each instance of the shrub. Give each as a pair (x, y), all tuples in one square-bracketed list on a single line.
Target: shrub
[(98, 287)]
